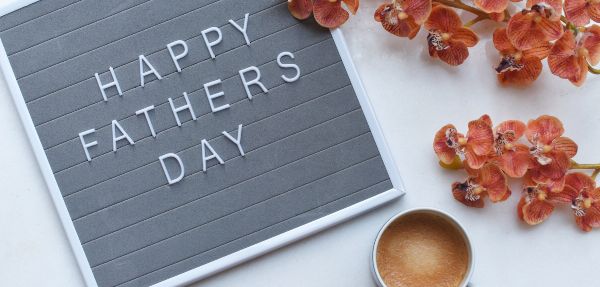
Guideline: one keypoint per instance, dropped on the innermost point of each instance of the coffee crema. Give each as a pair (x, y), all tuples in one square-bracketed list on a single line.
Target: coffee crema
[(422, 250)]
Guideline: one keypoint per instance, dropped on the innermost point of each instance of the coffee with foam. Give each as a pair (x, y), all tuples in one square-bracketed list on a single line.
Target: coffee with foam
[(422, 250)]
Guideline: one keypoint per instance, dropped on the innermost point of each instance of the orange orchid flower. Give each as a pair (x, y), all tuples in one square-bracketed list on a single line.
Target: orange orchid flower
[(476, 146), (532, 27), (579, 12), (448, 143), (555, 7), (537, 201), (518, 67), (487, 181), (403, 18), (448, 39), (513, 158), (498, 17), (543, 167), (492, 6), (328, 13), (551, 151), (585, 200), (570, 55)]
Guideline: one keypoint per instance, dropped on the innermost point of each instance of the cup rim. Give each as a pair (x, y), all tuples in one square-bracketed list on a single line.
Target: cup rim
[(442, 213)]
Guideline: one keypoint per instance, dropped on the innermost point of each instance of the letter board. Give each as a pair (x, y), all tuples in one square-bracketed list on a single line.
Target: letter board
[(179, 138)]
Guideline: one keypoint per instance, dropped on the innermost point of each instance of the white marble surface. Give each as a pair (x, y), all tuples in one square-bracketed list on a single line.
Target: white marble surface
[(413, 96)]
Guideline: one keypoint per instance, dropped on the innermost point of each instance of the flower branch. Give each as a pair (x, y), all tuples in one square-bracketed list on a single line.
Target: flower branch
[(575, 165), (475, 21), (543, 30), (460, 5), (595, 174), (593, 70), (490, 155)]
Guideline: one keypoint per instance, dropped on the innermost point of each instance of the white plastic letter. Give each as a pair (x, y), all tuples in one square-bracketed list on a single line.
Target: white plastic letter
[(210, 44), (243, 30), (213, 154), (143, 73), (170, 179), (187, 106), (87, 145), (123, 136), (145, 112), (104, 87), (211, 97), (289, 66), (237, 141), (179, 56), (255, 81)]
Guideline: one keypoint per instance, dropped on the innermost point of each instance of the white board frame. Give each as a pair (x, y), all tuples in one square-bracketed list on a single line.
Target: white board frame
[(243, 255)]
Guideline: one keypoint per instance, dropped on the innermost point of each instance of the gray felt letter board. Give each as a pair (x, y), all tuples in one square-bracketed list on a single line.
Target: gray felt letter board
[(179, 138)]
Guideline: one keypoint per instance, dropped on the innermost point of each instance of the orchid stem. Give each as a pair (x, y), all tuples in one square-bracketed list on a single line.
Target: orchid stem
[(506, 15), (595, 167), (474, 21), (593, 70), (595, 173), (460, 5), (575, 165)]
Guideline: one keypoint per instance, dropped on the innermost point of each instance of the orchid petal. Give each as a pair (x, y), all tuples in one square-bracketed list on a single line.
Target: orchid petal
[(491, 6), (552, 29), (390, 22), (580, 182), (582, 223), (544, 129), (557, 168), (565, 145), (522, 32), (418, 9), (498, 17), (474, 160), (594, 11), (515, 163), (553, 185), (460, 195), (330, 14), (520, 206), (445, 153), (443, 19), (486, 119), (591, 42), (494, 181), (537, 211), (480, 137), (565, 63), (590, 220), (525, 32), (514, 126), (564, 196), (595, 194), (301, 9), (539, 52), (352, 5), (531, 70), (502, 43), (556, 185), (556, 5), (465, 36), (454, 55), (576, 12)]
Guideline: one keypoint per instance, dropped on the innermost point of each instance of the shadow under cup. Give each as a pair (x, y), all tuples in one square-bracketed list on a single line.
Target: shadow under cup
[(422, 247)]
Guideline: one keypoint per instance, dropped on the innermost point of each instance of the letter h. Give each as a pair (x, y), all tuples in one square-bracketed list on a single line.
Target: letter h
[(104, 87)]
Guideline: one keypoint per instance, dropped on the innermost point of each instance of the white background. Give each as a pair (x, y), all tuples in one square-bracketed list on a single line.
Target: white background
[(413, 97)]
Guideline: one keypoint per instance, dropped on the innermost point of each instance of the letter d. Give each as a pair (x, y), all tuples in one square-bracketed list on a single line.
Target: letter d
[(170, 178)]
